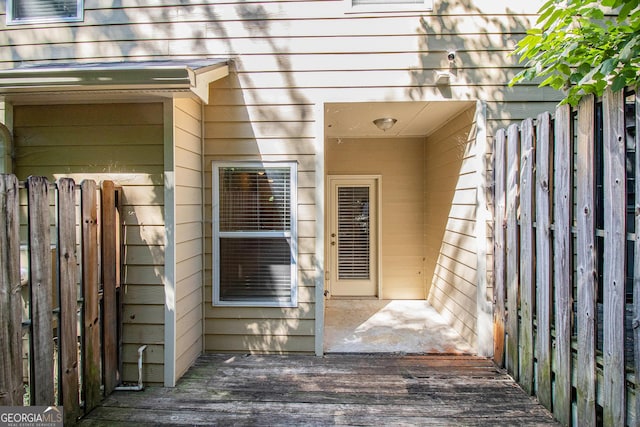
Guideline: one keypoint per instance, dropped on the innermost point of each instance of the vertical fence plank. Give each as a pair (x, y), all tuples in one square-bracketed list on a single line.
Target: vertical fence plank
[(67, 272), (11, 389), (543, 260), (513, 149), (586, 265), (636, 266), (562, 263), (526, 255), (91, 335), (40, 279), (109, 305), (499, 248), (614, 406)]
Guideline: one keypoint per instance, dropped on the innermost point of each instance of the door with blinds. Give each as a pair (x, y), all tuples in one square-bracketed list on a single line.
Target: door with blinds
[(352, 237)]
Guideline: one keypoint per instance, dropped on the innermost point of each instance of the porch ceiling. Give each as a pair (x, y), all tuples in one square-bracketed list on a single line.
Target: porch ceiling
[(415, 119)]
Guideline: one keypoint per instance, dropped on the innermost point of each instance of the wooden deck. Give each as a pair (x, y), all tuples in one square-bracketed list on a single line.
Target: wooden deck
[(381, 390)]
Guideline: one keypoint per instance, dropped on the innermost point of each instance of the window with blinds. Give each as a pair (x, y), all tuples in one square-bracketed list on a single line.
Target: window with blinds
[(35, 11), (354, 242), (254, 234)]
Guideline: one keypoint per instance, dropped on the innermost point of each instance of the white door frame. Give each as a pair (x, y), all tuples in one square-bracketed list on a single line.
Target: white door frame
[(378, 239)]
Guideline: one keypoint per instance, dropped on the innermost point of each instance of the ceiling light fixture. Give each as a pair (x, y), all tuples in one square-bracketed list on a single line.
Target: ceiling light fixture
[(385, 123)]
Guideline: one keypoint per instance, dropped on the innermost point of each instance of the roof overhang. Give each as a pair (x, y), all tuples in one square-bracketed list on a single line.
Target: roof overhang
[(163, 76)]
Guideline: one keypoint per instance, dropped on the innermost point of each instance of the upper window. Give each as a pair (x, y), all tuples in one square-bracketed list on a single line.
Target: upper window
[(254, 234), (389, 5), (41, 11)]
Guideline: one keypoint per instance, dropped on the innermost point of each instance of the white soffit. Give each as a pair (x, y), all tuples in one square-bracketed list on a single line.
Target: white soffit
[(164, 76), (414, 118)]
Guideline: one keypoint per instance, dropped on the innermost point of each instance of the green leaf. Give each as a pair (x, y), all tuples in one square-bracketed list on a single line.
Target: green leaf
[(595, 14), (608, 65), (618, 83), (578, 47), (627, 7)]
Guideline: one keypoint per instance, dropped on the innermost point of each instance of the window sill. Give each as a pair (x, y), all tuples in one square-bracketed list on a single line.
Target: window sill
[(43, 21), (293, 304)]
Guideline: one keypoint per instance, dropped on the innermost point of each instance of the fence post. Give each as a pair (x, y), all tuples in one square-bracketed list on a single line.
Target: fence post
[(91, 336), (109, 305), (68, 272), (11, 388), (586, 265), (543, 259), (636, 267), (562, 262), (499, 248), (614, 407), (526, 255), (513, 163), (42, 391)]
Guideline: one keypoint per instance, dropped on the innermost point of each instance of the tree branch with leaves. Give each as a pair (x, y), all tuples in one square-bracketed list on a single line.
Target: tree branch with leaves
[(582, 47)]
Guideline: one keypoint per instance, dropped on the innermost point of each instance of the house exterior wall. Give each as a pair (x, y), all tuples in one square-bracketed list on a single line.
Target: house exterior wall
[(400, 163), (304, 51), (450, 221), (289, 58), (237, 130), (189, 272), (123, 143)]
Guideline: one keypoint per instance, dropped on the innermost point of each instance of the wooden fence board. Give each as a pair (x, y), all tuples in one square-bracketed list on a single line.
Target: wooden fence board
[(586, 266), (568, 279), (109, 304), (11, 388), (55, 293), (543, 259), (636, 267), (526, 256), (40, 279), (614, 257), (562, 263), (91, 335), (513, 150), (67, 273), (499, 248)]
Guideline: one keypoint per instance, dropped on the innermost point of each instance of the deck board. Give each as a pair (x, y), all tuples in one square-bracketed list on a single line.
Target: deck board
[(354, 389)]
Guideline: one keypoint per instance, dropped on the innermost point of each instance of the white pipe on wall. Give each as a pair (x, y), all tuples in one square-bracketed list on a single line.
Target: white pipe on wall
[(140, 386)]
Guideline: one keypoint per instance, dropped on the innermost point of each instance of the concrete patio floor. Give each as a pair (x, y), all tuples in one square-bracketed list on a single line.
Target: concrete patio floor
[(388, 326)]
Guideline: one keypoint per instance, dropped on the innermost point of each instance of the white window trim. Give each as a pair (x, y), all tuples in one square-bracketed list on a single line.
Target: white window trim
[(292, 235), (426, 6), (44, 20)]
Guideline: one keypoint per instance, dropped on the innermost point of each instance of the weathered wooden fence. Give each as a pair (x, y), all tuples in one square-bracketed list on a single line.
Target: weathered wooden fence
[(62, 298), (567, 259)]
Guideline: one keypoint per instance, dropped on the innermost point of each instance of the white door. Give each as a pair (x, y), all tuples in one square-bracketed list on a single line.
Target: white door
[(352, 237)]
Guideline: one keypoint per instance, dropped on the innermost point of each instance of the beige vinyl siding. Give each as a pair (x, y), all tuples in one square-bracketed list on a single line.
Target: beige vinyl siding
[(400, 162), (289, 59), (450, 215), (189, 238), (304, 47), (299, 52), (123, 143), (263, 131)]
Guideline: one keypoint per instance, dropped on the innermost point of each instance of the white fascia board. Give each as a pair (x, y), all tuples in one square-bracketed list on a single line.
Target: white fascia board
[(118, 76), (201, 78)]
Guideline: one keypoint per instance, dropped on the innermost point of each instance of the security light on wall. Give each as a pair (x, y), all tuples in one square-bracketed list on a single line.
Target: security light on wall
[(442, 77), (385, 123)]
